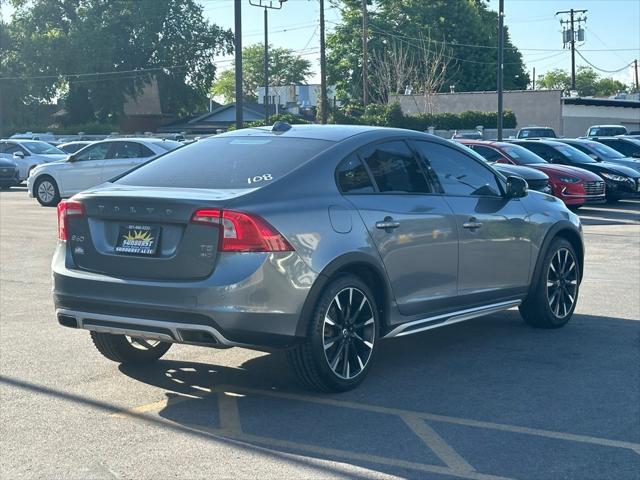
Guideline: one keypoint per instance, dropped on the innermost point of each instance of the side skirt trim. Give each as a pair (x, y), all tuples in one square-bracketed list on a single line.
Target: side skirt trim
[(449, 318)]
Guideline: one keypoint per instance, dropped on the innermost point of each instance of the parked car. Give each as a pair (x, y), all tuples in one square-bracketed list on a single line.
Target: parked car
[(536, 180), (73, 147), (536, 132), (45, 137), (27, 154), (9, 173), (620, 181), (93, 164), (574, 186), (202, 246), (606, 130), (469, 134), (602, 153), (629, 147)]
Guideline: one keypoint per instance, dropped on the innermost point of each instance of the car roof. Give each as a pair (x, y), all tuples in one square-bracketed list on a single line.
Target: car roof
[(332, 133), (554, 142), (607, 126)]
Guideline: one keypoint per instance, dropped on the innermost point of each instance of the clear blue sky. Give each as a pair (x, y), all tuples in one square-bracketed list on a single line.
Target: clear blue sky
[(611, 25)]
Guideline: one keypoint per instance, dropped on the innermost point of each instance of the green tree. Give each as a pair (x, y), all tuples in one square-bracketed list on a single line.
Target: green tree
[(588, 82), (285, 68), (467, 28), (168, 39)]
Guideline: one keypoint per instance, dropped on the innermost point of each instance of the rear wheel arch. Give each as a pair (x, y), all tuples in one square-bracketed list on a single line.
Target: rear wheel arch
[(564, 230), (362, 266)]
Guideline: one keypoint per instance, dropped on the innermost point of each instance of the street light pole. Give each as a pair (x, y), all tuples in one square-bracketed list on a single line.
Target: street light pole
[(273, 5), (238, 51), (500, 65)]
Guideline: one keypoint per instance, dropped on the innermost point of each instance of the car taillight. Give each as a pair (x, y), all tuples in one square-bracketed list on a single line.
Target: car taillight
[(242, 232), (66, 209)]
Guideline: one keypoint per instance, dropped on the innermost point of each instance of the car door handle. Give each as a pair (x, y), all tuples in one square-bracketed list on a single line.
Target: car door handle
[(472, 224), (387, 224)]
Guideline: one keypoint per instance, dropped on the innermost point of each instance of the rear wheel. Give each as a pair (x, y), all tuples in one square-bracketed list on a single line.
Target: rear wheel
[(46, 192), (555, 291), (342, 337), (129, 350)]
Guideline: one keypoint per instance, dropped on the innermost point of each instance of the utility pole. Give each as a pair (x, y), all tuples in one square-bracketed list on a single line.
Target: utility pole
[(569, 36), (365, 54), (533, 81), (635, 69), (323, 70), (500, 65), (266, 4), (238, 50)]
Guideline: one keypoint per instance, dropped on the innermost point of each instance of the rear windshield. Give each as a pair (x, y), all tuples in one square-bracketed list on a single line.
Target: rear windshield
[(522, 156), (167, 144), (226, 163), (607, 131)]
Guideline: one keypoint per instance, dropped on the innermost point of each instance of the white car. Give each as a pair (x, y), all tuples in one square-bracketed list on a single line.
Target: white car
[(92, 165), (27, 154)]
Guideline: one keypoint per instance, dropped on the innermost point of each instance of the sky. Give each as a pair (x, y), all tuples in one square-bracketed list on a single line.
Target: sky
[(611, 25), (612, 31)]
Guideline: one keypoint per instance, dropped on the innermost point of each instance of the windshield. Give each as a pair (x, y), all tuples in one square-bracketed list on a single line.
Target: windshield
[(575, 155), (226, 163), (607, 131), (537, 133), (605, 150), (522, 156), (42, 148)]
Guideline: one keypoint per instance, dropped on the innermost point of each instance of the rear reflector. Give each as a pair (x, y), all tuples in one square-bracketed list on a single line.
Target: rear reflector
[(242, 232), (66, 209)]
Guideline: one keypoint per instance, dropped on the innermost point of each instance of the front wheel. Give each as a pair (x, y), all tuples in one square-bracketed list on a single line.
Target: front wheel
[(342, 337), (46, 192), (129, 350), (555, 290)]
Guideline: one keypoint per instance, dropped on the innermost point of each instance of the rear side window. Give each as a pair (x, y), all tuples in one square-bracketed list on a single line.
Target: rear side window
[(353, 177), (126, 150), (395, 168), (489, 154), (226, 163)]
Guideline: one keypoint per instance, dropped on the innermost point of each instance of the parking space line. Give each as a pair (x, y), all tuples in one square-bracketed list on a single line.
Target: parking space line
[(348, 455), (605, 442), (228, 413), (154, 406), (437, 444)]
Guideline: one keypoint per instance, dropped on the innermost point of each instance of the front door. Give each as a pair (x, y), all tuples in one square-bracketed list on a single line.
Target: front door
[(85, 169), (413, 230), (495, 243)]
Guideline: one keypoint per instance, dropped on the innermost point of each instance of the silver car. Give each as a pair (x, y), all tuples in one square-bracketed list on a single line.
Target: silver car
[(321, 240)]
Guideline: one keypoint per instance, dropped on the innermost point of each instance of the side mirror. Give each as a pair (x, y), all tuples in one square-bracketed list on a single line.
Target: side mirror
[(516, 187), (71, 158), (18, 154)]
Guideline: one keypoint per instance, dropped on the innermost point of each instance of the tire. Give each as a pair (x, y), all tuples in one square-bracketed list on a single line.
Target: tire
[(555, 291), (128, 350), (46, 191), (340, 345), (612, 200), (575, 208)]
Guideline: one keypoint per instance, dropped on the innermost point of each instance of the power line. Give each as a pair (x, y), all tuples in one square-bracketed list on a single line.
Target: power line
[(80, 75), (602, 69)]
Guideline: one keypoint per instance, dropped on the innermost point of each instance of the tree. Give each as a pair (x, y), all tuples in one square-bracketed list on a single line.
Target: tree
[(467, 28), (588, 82), (64, 43), (285, 68)]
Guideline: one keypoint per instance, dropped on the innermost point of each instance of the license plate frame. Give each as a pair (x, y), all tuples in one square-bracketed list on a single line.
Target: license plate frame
[(138, 240)]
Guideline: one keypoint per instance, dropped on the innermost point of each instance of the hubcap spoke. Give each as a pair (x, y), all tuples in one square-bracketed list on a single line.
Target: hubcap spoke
[(349, 333)]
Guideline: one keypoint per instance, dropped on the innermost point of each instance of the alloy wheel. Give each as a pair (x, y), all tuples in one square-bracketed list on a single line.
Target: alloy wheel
[(348, 333), (46, 191), (562, 282)]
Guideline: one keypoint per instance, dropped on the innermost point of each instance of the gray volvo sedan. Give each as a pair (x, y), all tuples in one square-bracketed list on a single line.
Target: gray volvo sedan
[(321, 240)]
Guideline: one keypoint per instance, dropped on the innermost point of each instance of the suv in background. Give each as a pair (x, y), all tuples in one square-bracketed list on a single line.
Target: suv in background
[(606, 131), (536, 132)]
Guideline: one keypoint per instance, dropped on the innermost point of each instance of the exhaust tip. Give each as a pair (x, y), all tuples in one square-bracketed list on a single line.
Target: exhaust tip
[(67, 321), (198, 336)]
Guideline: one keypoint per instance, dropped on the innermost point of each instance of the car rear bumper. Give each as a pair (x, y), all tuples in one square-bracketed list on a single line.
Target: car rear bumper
[(254, 302)]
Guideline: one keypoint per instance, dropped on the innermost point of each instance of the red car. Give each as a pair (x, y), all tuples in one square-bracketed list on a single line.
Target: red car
[(574, 186)]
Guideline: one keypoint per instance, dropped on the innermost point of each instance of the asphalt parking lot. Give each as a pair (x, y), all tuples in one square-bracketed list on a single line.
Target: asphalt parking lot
[(490, 398)]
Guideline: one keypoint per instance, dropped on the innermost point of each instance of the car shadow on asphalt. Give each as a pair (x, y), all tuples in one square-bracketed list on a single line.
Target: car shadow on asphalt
[(580, 379), (626, 212)]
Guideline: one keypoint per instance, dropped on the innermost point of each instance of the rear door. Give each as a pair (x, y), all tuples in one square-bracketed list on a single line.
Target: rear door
[(84, 172), (495, 248), (413, 229), (122, 157)]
